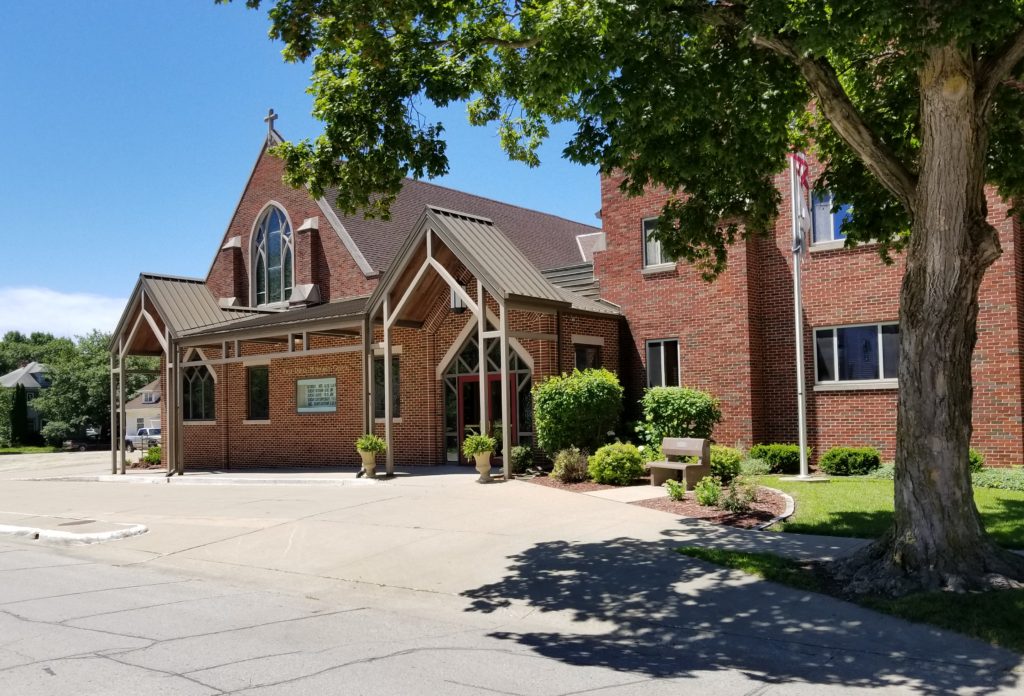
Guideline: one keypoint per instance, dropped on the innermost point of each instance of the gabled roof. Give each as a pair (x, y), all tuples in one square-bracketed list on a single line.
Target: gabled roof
[(30, 376), (138, 401), (548, 241)]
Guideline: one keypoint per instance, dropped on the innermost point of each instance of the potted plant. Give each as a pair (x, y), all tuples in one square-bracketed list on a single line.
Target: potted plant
[(369, 446), (480, 447)]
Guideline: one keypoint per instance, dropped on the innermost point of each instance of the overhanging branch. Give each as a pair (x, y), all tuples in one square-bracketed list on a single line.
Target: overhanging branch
[(993, 69)]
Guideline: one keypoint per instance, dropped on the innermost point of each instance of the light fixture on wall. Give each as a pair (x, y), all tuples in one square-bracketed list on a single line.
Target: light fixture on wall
[(457, 305)]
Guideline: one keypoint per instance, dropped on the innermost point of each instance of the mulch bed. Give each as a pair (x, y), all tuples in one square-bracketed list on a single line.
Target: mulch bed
[(584, 487), (767, 506)]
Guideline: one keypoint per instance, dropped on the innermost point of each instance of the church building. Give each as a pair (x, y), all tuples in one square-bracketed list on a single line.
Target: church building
[(313, 327)]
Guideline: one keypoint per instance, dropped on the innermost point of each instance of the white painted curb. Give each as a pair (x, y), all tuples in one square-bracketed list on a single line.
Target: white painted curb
[(788, 512), (69, 538)]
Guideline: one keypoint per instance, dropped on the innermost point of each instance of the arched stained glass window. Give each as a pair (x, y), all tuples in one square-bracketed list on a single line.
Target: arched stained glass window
[(273, 260)]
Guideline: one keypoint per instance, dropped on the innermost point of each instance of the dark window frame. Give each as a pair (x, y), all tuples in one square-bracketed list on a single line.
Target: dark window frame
[(257, 411)]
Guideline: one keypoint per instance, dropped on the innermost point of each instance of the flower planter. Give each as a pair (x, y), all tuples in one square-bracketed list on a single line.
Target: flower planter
[(483, 466), (369, 463)]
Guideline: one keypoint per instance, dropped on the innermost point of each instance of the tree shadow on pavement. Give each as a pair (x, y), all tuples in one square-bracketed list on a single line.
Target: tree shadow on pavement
[(639, 607)]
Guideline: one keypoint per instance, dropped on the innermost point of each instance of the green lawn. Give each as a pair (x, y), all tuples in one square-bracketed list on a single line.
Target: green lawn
[(27, 450), (862, 507), (990, 616)]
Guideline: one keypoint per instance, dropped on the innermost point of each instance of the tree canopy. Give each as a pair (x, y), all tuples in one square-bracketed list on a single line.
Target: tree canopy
[(700, 97)]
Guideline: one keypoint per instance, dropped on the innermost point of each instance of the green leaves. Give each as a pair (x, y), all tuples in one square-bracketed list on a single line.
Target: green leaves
[(701, 98), (576, 410)]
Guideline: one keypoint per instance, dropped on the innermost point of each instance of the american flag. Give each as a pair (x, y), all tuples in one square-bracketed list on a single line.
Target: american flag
[(802, 191)]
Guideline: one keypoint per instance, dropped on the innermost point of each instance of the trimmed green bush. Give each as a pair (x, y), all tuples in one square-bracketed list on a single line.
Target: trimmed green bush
[(708, 491), (886, 472), (677, 412), (725, 462), (570, 466), (782, 459), (850, 461), (977, 460), (754, 467), (676, 489), (520, 458), (1004, 479), (576, 410), (618, 464), (152, 455)]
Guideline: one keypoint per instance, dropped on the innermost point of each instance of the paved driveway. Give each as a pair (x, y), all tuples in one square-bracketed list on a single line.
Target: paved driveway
[(429, 584)]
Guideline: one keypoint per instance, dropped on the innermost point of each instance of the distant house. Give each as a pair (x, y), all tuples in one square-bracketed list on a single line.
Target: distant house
[(143, 411), (33, 377)]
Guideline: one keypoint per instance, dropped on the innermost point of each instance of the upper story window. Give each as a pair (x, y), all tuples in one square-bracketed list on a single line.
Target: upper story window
[(653, 255), (663, 363), (273, 261), (828, 226), (149, 397)]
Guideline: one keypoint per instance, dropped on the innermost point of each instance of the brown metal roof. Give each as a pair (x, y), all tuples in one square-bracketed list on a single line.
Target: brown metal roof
[(579, 279), (548, 241), (186, 304), (339, 309)]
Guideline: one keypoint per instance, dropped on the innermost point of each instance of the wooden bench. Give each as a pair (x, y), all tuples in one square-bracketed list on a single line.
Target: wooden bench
[(688, 472)]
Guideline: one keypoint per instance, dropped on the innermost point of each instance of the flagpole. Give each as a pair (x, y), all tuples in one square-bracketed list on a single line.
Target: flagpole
[(798, 322)]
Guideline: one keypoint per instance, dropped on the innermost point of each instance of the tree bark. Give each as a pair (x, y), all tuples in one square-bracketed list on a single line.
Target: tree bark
[(937, 540)]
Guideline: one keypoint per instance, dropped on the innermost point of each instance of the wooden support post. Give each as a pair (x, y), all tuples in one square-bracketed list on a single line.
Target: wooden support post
[(113, 420), (122, 415), (388, 387), (506, 428), (481, 329), (179, 437), (367, 336), (171, 404)]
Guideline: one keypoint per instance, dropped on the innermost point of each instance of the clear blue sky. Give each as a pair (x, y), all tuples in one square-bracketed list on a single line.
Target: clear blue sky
[(130, 129)]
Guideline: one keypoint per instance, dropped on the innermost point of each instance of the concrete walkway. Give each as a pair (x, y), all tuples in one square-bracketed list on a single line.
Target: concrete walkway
[(589, 591)]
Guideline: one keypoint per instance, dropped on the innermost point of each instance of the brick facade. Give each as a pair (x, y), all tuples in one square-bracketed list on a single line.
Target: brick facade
[(736, 334)]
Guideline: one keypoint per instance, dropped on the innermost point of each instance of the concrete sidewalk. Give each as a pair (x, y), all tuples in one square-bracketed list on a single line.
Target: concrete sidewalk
[(65, 530), (571, 580)]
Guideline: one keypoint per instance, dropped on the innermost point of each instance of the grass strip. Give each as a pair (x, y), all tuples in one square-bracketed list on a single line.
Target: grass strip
[(993, 616)]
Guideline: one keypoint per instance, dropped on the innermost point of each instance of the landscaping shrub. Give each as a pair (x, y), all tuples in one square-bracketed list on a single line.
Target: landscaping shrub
[(886, 471), (520, 458), (576, 410), (725, 462), (152, 455), (781, 459), (708, 491), (676, 489), (618, 464), (754, 467), (651, 453), (1004, 479), (738, 495), (977, 460), (677, 412), (850, 461), (570, 466)]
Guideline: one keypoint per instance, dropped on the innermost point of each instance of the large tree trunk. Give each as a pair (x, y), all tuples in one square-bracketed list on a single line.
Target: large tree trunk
[(937, 540)]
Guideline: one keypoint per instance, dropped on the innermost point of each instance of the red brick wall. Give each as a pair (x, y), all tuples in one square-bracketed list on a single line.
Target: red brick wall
[(736, 335), (331, 264)]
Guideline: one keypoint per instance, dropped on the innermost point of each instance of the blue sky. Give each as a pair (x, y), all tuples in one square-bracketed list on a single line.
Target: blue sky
[(130, 129)]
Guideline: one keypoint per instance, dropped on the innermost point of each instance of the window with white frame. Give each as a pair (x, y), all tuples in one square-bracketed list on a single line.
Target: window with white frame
[(653, 254), (273, 263), (861, 353), (828, 225), (663, 363)]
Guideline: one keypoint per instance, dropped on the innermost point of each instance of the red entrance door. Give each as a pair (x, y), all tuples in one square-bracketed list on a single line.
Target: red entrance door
[(469, 409)]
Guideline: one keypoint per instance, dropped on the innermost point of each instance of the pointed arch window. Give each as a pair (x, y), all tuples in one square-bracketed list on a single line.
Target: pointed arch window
[(273, 260), (199, 396)]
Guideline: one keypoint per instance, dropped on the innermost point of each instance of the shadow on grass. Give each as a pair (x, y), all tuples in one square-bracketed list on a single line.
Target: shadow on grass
[(639, 607)]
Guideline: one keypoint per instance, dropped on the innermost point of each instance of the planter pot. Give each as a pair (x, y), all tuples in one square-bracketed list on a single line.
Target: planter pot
[(483, 466), (369, 463)]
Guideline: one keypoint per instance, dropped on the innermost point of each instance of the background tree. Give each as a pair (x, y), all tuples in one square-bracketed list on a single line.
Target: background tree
[(79, 394), (912, 106), (19, 430), (17, 349)]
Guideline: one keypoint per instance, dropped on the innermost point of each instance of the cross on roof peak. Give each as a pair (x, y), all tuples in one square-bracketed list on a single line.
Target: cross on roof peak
[(269, 120)]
